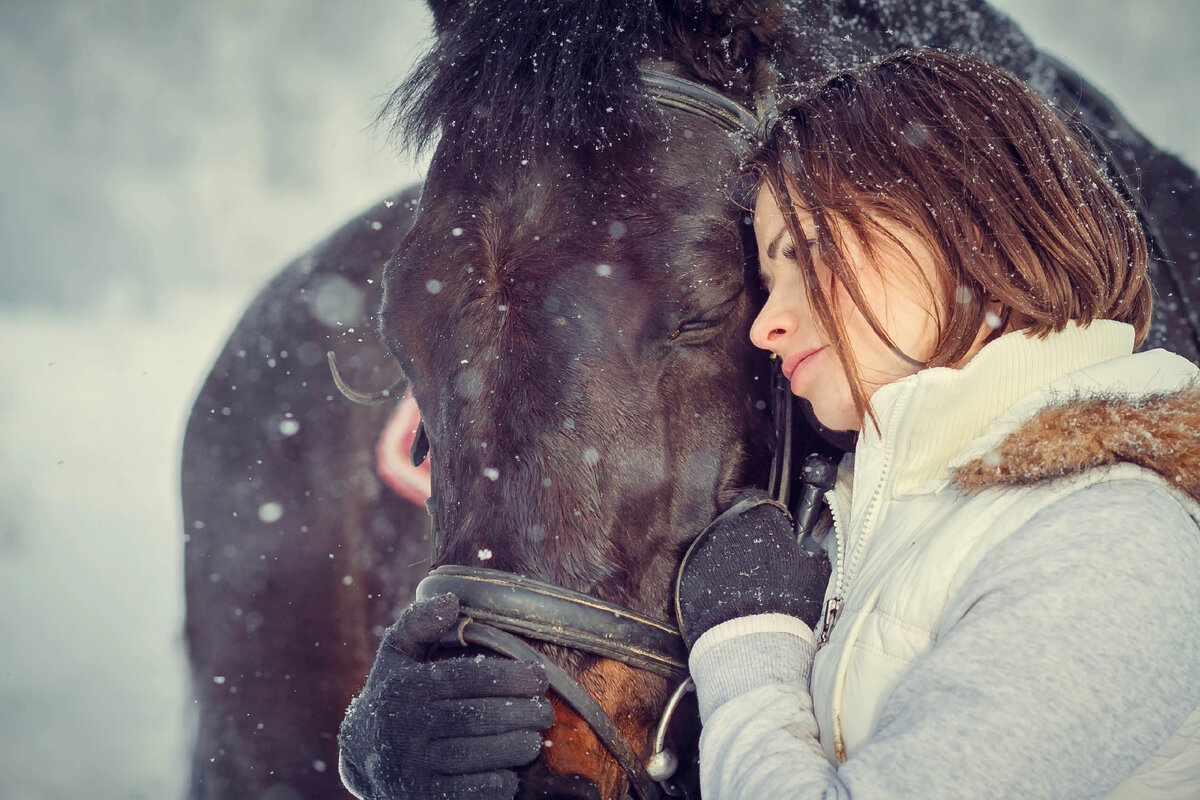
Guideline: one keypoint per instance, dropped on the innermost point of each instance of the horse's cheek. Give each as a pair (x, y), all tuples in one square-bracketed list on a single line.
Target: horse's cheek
[(573, 749)]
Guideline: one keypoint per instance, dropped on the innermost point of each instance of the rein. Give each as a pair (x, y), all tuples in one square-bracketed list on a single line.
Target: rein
[(499, 610)]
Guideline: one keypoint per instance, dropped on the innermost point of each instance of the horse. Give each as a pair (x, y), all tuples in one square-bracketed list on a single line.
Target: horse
[(567, 297)]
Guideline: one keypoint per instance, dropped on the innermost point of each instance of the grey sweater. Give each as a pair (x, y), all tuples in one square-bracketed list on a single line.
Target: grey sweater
[(1075, 653)]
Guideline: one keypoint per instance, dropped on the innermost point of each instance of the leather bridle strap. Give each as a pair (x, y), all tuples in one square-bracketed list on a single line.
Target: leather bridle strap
[(672, 91), (549, 613), (779, 483)]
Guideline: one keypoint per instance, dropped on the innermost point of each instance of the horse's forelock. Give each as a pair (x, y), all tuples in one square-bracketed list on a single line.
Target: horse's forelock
[(516, 77)]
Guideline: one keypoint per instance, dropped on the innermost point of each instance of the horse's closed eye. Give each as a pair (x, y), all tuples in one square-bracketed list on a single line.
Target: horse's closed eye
[(694, 325), (699, 329)]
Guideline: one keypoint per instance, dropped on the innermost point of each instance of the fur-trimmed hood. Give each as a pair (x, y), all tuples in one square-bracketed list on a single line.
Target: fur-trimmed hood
[(1159, 432), (1028, 410)]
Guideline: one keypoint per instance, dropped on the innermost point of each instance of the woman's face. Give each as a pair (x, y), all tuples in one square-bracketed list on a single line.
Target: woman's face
[(893, 287)]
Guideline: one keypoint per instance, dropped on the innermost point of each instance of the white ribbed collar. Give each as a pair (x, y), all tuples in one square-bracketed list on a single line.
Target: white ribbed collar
[(929, 418)]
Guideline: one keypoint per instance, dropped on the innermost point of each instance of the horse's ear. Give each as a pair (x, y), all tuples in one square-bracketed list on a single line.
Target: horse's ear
[(724, 41)]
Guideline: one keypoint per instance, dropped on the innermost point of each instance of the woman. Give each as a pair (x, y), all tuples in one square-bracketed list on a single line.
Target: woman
[(1015, 602)]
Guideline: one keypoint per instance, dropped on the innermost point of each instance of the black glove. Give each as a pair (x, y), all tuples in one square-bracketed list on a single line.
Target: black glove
[(748, 562), (441, 729)]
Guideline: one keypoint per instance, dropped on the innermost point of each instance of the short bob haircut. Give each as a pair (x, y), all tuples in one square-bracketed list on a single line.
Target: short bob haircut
[(1014, 203)]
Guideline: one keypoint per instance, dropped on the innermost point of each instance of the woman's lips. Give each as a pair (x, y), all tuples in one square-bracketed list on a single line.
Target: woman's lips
[(792, 363)]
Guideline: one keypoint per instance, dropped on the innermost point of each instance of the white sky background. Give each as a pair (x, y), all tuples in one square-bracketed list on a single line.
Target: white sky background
[(158, 162)]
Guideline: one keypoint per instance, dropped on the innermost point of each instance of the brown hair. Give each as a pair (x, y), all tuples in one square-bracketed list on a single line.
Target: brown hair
[(1016, 206)]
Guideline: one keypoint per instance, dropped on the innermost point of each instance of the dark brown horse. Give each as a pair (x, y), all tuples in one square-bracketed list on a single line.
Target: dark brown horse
[(568, 300)]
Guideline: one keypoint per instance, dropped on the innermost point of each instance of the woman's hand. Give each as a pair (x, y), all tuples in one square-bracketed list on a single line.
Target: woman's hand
[(435, 729), (748, 562)]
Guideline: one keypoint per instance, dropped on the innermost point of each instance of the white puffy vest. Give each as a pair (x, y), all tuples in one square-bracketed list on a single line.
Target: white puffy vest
[(905, 543)]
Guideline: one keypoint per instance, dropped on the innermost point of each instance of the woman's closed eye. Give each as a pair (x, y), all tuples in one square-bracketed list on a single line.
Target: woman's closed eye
[(789, 252)]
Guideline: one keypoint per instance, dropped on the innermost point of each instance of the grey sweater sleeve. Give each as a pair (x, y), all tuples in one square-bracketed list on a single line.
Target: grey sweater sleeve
[(1070, 655)]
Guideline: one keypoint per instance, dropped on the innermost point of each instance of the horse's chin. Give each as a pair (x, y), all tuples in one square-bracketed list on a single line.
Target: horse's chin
[(538, 782)]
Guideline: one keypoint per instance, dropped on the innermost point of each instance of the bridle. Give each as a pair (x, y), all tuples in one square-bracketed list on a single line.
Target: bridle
[(500, 609)]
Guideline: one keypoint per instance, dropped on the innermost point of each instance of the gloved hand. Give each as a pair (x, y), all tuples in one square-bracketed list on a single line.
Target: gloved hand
[(748, 562), (441, 729)]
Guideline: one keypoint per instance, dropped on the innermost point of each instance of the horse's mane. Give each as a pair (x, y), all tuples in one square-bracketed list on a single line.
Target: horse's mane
[(507, 77)]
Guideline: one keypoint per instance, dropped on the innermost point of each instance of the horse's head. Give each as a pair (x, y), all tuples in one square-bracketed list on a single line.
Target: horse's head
[(571, 309)]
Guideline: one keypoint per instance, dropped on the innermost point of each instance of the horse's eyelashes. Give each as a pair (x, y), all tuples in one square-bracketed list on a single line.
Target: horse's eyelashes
[(707, 321), (698, 325)]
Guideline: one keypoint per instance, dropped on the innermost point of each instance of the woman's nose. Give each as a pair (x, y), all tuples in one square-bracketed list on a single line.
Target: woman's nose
[(772, 327)]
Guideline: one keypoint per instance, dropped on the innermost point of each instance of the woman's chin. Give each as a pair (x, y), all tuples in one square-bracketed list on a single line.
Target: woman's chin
[(843, 437), (838, 419)]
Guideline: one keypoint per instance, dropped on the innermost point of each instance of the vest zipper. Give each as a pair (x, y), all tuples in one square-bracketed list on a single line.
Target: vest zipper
[(860, 546), (833, 606), (876, 502)]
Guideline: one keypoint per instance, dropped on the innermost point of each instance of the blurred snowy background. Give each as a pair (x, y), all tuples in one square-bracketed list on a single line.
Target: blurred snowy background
[(158, 162)]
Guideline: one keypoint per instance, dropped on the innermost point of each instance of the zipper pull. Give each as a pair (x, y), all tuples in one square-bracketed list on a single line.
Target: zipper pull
[(832, 608)]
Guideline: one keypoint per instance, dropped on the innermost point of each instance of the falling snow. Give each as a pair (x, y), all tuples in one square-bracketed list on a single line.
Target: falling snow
[(204, 233), (270, 512)]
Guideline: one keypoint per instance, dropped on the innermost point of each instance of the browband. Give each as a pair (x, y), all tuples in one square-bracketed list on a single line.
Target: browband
[(673, 91)]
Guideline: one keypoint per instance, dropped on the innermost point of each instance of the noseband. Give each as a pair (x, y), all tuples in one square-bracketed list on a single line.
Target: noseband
[(499, 610)]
